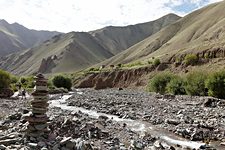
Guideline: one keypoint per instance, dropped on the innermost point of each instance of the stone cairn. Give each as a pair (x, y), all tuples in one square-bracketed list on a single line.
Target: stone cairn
[(38, 126)]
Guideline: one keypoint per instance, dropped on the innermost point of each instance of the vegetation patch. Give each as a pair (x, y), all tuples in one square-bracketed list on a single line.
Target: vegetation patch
[(195, 83), (5, 79), (135, 64), (176, 86), (190, 59), (156, 62), (216, 84), (159, 82), (61, 81)]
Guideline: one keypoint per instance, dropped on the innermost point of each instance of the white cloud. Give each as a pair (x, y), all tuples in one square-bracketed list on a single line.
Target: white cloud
[(85, 15)]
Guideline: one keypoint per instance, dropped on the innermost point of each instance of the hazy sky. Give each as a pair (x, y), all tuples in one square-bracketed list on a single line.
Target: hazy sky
[(86, 15)]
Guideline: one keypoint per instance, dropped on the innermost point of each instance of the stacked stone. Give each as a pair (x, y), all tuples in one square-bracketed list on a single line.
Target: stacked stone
[(38, 125)]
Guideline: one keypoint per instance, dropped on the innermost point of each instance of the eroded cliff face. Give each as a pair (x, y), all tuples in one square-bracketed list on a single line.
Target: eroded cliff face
[(117, 78), (47, 64), (203, 56), (140, 77)]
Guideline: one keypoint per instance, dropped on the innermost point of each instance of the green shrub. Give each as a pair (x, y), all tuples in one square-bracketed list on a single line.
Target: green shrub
[(93, 69), (216, 84), (119, 65), (138, 63), (176, 86), (195, 83), (27, 82), (159, 82), (156, 62), (23, 80), (5, 79), (58, 91), (190, 59), (149, 62), (50, 84), (62, 81), (14, 79)]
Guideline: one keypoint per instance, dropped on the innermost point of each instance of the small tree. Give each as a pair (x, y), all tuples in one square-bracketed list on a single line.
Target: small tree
[(176, 86), (195, 83), (4, 79), (62, 81), (159, 82), (216, 84)]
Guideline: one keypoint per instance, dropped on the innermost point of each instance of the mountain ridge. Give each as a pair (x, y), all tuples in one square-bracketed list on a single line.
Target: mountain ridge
[(200, 30), (78, 50), (15, 37)]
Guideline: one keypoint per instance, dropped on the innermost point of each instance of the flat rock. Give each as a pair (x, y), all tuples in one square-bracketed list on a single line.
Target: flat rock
[(33, 145), (8, 142), (65, 140), (3, 147)]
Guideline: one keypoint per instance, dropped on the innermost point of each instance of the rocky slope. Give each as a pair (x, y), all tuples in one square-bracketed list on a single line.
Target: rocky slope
[(75, 51), (15, 37), (199, 31)]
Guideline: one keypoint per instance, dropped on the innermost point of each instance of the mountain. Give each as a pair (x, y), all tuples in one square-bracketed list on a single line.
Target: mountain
[(62, 53), (117, 39), (15, 37), (78, 50), (201, 32)]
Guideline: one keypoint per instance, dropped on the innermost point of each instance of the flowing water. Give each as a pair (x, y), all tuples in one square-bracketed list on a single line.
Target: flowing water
[(135, 125)]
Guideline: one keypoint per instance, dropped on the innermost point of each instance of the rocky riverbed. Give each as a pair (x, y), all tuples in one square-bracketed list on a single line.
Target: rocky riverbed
[(193, 118)]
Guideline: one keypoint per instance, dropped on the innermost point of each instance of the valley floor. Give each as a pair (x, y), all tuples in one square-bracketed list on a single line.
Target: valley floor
[(199, 119)]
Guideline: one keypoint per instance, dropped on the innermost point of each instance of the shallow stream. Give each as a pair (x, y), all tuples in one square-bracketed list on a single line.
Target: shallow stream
[(135, 125)]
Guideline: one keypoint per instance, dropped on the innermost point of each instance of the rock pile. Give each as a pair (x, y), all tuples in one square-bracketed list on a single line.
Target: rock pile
[(38, 125)]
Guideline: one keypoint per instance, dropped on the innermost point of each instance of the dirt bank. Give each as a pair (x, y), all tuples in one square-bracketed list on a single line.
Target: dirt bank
[(116, 78)]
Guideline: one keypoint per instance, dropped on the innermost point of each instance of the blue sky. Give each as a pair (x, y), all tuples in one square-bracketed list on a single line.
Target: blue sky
[(86, 15)]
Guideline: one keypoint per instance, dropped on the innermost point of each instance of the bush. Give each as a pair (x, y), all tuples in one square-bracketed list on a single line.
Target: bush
[(93, 69), (5, 79), (138, 63), (14, 79), (27, 82), (119, 65), (216, 84), (62, 81), (195, 83), (176, 86), (159, 82), (156, 62), (190, 59), (58, 91), (149, 62)]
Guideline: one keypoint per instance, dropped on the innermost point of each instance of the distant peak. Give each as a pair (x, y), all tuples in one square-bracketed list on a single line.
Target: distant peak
[(172, 14), (3, 21)]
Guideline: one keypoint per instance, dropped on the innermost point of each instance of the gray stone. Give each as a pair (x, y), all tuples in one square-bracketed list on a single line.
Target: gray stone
[(64, 148), (2, 147), (197, 136), (9, 141), (32, 145), (41, 126), (55, 147), (41, 144), (65, 140), (172, 121)]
